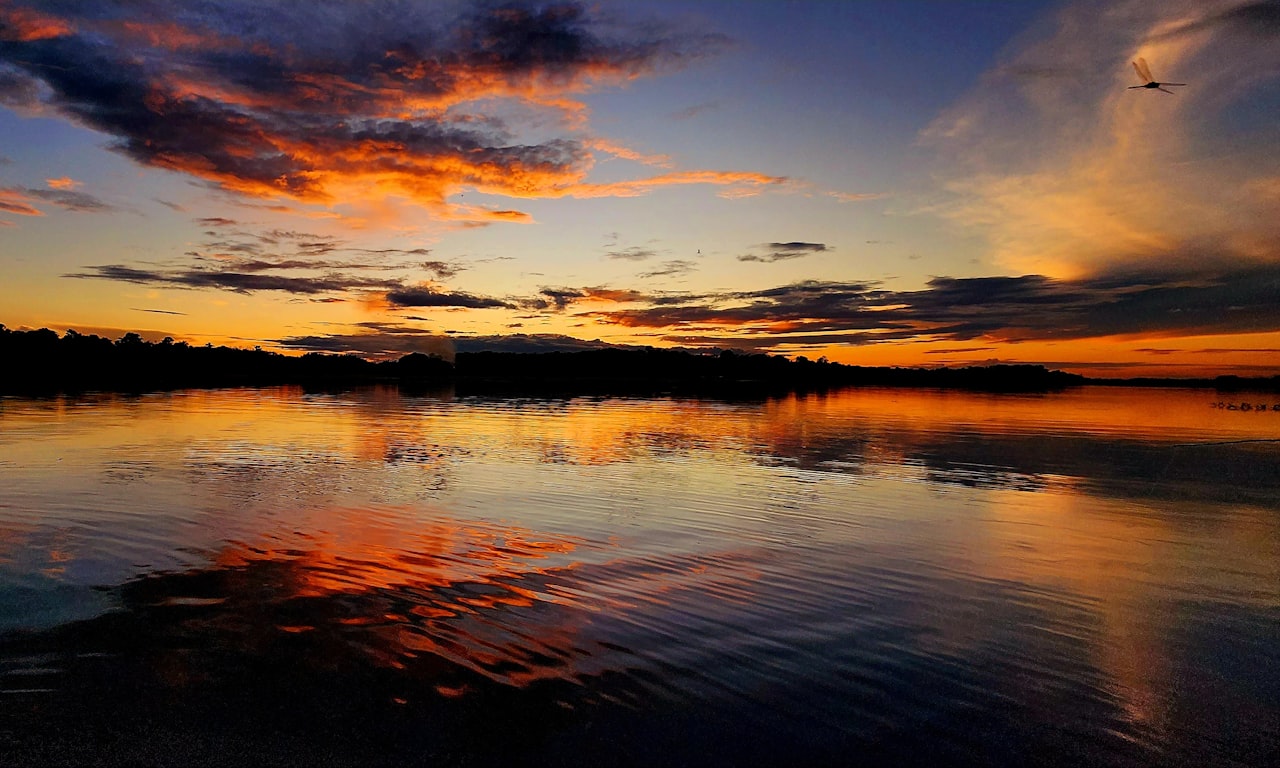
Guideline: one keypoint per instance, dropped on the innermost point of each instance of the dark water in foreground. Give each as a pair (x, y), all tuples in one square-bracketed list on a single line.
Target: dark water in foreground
[(871, 577)]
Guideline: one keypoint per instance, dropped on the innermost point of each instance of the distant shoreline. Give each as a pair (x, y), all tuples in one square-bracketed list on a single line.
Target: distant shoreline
[(41, 362)]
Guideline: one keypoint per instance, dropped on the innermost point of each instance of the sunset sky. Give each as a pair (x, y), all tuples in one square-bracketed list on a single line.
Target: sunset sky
[(882, 183)]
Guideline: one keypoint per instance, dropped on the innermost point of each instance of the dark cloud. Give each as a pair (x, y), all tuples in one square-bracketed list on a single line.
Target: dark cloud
[(443, 270), (15, 200), (773, 343), (1259, 18), (236, 250), (216, 221), (430, 297), (634, 253), (260, 265), (694, 111), (72, 200), (769, 252), (68, 199), (672, 268), (376, 340), (240, 282), (158, 311), (556, 297), (385, 340), (560, 298), (294, 99), (531, 342), (243, 262), (1030, 307), (18, 89), (957, 350)]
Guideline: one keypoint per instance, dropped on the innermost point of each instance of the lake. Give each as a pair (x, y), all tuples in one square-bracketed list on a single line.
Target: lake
[(885, 577)]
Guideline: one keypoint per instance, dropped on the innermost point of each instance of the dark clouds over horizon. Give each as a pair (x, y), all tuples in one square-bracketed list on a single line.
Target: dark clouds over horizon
[(384, 340), (1009, 309), (816, 313)]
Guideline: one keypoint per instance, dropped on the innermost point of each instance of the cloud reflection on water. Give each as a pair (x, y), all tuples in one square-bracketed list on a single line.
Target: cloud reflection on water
[(812, 574)]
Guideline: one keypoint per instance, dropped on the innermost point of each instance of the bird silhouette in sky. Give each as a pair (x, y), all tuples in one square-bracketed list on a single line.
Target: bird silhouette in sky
[(1144, 72)]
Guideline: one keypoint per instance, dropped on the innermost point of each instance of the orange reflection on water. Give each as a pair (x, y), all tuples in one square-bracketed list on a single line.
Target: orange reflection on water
[(355, 556), (1127, 564), (497, 600)]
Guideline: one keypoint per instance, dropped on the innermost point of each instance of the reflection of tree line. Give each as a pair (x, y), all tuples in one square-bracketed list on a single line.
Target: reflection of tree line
[(40, 360), (1246, 407)]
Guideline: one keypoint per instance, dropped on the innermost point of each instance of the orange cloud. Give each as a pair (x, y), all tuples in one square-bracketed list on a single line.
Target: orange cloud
[(741, 181), (25, 25), (856, 197), (626, 153), (63, 183), (361, 104), (14, 201)]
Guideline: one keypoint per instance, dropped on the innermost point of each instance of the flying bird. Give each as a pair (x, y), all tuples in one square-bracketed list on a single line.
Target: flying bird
[(1144, 72)]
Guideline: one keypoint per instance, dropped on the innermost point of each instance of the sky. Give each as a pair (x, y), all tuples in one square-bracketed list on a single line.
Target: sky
[(879, 183)]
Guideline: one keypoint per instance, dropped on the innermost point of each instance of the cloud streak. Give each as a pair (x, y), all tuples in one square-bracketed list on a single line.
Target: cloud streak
[(672, 268), (239, 282), (770, 252)]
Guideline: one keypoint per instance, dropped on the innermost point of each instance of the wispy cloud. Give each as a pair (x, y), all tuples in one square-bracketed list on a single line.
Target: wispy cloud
[(857, 197), (768, 252), (672, 268), (738, 184), (71, 200), (957, 350), (626, 153), (158, 311), (1071, 176), (1259, 19), (232, 248), (14, 200), (23, 200), (634, 253), (693, 111), (239, 282)]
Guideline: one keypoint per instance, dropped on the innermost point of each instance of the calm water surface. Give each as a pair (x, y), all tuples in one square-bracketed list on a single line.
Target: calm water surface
[(866, 577)]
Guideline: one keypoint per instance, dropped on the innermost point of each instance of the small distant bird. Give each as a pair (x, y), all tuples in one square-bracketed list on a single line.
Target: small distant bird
[(1144, 72)]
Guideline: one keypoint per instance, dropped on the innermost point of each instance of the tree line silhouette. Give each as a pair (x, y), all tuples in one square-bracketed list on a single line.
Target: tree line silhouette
[(41, 361)]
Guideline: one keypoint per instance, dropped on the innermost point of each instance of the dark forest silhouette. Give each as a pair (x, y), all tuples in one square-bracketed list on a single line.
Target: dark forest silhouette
[(41, 361)]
